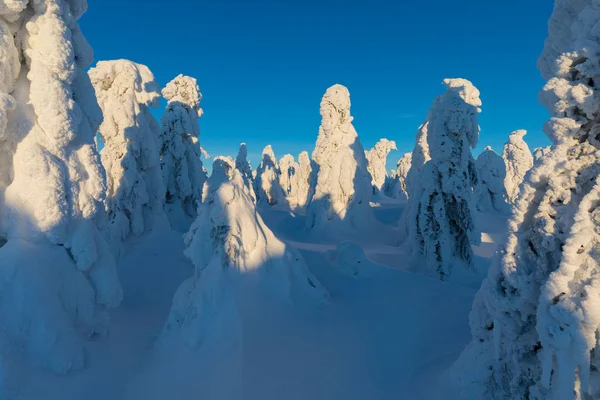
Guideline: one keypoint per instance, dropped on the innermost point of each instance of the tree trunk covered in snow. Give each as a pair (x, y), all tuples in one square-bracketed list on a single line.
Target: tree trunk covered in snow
[(182, 168), (535, 319), (135, 193), (57, 275)]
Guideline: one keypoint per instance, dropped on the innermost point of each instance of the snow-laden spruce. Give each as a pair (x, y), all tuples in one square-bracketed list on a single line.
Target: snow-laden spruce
[(535, 319), (182, 169), (288, 179), (490, 192), (58, 275), (396, 186), (266, 183), (234, 253), (130, 133), (343, 186), (518, 160), (307, 173), (243, 165), (440, 217), (376, 161)]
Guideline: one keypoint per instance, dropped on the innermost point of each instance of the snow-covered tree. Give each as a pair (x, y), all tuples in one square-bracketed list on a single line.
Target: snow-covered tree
[(440, 219), (130, 133), (518, 161), (229, 240), (396, 186), (58, 275), (376, 161), (491, 193), (535, 319), (343, 186), (307, 172), (182, 169), (288, 179), (243, 165), (266, 183)]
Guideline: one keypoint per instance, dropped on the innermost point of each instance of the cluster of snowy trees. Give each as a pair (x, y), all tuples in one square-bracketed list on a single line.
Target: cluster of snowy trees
[(535, 318), (68, 209)]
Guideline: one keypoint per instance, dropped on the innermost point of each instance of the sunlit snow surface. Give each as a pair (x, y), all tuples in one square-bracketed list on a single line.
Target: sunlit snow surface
[(385, 333)]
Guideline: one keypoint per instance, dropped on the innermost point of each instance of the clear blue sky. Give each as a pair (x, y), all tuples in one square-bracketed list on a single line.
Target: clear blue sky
[(263, 65)]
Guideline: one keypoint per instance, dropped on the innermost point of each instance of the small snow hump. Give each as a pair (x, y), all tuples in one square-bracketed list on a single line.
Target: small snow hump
[(349, 258)]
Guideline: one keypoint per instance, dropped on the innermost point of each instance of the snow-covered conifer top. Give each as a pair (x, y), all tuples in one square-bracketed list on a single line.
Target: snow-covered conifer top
[(185, 90)]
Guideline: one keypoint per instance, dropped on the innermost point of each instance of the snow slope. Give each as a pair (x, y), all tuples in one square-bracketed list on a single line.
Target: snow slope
[(378, 337)]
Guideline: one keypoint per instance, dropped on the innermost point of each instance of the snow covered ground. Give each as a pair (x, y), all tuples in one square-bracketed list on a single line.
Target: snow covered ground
[(385, 332)]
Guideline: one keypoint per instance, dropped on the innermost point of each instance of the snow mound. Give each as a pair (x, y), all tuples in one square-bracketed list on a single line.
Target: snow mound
[(350, 259)]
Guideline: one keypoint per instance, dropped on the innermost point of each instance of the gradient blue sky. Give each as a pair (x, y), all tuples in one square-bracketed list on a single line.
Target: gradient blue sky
[(263, 65)]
